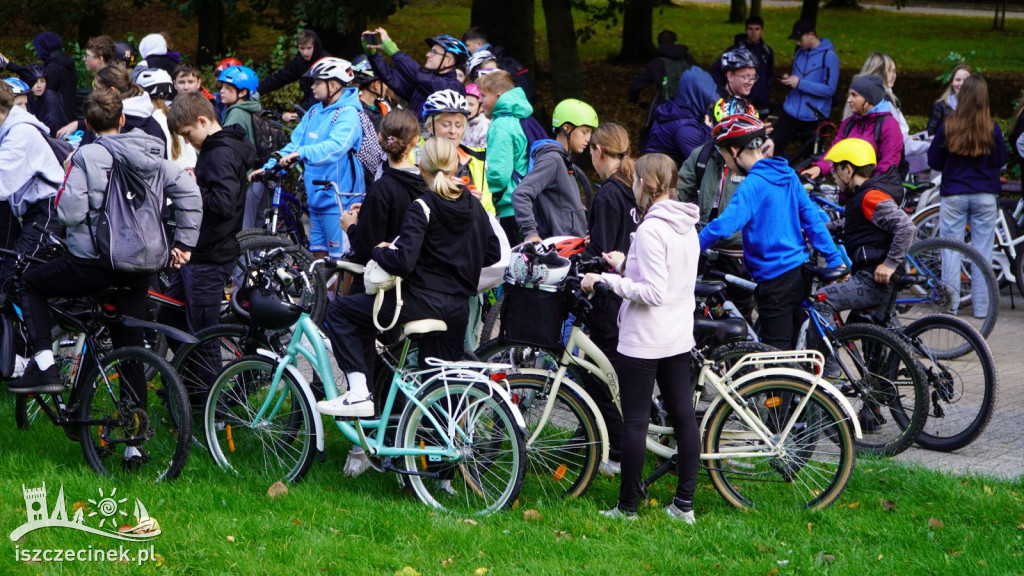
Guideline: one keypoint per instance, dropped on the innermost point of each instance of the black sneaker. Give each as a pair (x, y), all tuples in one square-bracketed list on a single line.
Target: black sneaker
[(36, 381), (871, 420)]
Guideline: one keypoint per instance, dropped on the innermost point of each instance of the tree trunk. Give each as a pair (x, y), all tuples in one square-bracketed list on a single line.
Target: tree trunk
[(565, 58), (755, 8), (810, 10), (737, 11), (637, 30), (210, 14), (91, 24), (509, 24), (841, 4)]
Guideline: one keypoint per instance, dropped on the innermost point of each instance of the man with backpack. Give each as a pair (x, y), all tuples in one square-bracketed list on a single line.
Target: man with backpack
[(663, 71), (752, 40), (812, 84)]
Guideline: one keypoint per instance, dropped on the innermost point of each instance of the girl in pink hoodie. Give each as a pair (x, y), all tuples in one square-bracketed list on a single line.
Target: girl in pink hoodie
[(656, 329)]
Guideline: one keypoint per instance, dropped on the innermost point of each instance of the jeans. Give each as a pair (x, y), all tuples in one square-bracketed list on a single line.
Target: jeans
[(980, 211)]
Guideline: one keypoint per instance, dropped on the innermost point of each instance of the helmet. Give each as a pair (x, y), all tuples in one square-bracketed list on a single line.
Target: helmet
[(363, 70), (478, 58), (17, 85), (35, 71), (532, 264), (225, 64), (331, 68), (739, 130), (732, 106), (853, 150), (445, 102), (264, 307), (125, 53), (473, 90), (575, 112), (156, 82), (452, 45), (738, 58), (241, 77)]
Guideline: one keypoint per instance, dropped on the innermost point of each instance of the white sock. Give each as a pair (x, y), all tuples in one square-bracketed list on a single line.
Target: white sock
[(44, 359), (131, 451), (357, 384)]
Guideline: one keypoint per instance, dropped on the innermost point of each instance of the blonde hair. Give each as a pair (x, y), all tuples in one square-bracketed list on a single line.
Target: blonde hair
[(439, 159), (949, 87), (614, 141), (497, 82), (658, 176), (879, 64)]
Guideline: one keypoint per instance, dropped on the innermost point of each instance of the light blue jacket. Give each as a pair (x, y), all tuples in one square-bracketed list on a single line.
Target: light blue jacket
[(323, 139)]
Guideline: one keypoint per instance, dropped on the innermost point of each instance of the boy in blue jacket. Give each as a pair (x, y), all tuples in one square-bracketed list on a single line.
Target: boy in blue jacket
[(410, 80), (812, 84), (774, 213)]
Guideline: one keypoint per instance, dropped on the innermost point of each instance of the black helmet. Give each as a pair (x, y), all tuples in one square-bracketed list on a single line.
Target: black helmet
[(738, 58), (264, 307), (126, 53)]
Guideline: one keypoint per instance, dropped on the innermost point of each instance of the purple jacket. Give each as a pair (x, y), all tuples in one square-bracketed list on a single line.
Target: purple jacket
[(411, 81), (888, 149), (967, 174)]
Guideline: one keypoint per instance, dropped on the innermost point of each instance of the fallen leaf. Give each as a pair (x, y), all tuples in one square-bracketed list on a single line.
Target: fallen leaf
[(809, 524), (296, 521), (80, 506), (447, 561), (277, 489), (159, 559), (987, 489), (854, 505), (470, 521), (231, 538), (880, 556), (935, 523), (407, 571), (531, 515), (562, 535), (955, 553), (480, 571), (653, 502), (124, 528), (887, 505)]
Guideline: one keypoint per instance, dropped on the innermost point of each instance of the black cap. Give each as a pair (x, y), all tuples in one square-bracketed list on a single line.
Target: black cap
[(800, 28)]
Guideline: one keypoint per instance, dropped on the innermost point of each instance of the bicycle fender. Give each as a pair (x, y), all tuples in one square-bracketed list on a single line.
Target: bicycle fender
[(579, 391), (502, 392), (318, 422), (169, 331)]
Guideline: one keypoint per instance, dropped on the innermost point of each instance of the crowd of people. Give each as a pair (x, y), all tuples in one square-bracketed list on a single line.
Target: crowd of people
[(449, 156)]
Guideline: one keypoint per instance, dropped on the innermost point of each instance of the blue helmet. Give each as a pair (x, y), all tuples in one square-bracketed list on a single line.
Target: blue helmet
[(241, 77), (17, 86), (363, 70), (451, 44)]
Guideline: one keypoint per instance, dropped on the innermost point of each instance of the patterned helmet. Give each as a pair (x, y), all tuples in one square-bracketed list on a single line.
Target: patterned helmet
[(444, 102), (478, 58), (452, 45), (241, 77), (732, 106), (126, 53), (739, 130), (331, 68), (225, 64), (530, 264), (738, 58), (17, 85), (363, 70), (156, 82)]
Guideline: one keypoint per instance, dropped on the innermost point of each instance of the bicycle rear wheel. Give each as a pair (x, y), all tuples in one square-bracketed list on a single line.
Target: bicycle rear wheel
[(486, 473), (121, 407), (808, 468)]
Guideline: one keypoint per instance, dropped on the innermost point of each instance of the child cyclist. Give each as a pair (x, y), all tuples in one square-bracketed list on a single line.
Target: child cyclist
[(236, 87)]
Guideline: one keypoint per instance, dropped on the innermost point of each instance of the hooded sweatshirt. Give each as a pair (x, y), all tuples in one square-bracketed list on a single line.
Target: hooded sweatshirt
[(411, 81), (383, 210), (659, 277), (507, 148), (241, 113), (888, 149), (774, 212), (293, 71), (61, 76), (28, 169), (49, 109), (81, 198), (818, 70), (612, 218), (221, 172), (547, 202), (679, 123), (324, 139)]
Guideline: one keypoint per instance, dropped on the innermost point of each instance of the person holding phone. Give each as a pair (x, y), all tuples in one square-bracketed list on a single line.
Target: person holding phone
[(406, 77)]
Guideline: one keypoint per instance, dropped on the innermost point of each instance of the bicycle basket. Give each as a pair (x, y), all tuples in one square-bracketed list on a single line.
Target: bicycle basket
[(532, 316)]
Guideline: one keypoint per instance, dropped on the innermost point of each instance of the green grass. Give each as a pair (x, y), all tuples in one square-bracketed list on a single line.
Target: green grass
[(369, 525)]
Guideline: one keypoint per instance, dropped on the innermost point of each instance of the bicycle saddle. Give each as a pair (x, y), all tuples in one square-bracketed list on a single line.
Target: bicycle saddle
[(705, 289), (422, 327), (726, 330), (827, 274)]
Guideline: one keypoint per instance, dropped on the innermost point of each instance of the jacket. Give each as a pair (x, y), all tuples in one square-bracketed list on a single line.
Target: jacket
[(61, 76), (444, 251), (81, 198), (876, 229), (654, 71), (507, 148), (49, 109), (968, 174), (940, 111), (28, 169), (547, 202), (818, 70), (679, 123), (240, 113), (760, 94), (293, 71), (383, 210), (774, 213), (411, 81), (221, 174), (717, 180), (472, 163), (888, 149), (612, 218), (138, 113), (326, 140), (657, 285)]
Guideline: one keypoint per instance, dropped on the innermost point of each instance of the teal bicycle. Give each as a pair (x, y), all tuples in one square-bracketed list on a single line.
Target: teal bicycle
[(458, 442)]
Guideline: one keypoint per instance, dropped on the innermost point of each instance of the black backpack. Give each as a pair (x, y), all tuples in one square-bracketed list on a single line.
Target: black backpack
[(268, 136)]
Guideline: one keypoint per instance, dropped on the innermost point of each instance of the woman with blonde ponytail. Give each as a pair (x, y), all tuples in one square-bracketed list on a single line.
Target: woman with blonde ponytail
[(445, 241)]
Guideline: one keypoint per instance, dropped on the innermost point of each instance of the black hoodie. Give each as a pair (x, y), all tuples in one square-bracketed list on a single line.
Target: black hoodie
[(293, 71), (612, 219), (445, 251), (61, 76), (221, 174), (383, 210), (654, 71)]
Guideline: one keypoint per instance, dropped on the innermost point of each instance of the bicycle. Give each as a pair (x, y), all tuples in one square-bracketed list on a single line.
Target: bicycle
[(458, 443), (814, 147)]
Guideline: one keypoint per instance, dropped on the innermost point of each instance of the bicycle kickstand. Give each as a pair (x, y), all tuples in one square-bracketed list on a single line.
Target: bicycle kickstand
[(666, 467)]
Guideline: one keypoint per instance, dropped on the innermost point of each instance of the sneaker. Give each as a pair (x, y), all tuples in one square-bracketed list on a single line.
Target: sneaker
[(678, 514), (610, 468), (348, 405), (135, 463), (36, 381), (617, 514), (356, 463), (870, 420)]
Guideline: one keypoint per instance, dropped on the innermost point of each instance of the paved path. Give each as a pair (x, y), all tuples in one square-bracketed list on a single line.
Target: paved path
[(1013, 12)]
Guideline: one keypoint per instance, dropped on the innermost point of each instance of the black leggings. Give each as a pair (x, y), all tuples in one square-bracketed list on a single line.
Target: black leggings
[(673, 377)]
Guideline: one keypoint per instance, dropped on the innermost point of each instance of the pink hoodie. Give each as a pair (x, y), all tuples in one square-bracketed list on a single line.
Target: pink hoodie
[(656, 317)]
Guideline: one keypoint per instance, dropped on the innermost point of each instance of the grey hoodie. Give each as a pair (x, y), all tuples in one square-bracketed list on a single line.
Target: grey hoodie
[(85, 188), (28, 169), (547, 201)]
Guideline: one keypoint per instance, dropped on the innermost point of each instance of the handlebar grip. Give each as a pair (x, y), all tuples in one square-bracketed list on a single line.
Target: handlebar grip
[(602, 288), (322, 182)]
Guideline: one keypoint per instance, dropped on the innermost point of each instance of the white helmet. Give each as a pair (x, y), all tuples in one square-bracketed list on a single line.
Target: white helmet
[(331, 68), (156, 82), (530, 264)]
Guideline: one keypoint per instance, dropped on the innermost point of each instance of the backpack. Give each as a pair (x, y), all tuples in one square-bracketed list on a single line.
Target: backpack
[(370, 153), (61, 148), (674, 68), (128, 233), (533, 131), (268, 136)]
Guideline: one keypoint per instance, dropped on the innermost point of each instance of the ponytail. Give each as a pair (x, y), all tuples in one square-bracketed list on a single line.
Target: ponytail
[(439, 158)]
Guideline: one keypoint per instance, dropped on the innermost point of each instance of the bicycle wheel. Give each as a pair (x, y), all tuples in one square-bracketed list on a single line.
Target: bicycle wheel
[(280, 442), (123, 409), (963, 387), (927, 222), (491, 330), (526, 356), (487, 472), (297, 258), (886, 385), (809, 467), (1018, 267), (957, 275), (564, 458), (27, 409)]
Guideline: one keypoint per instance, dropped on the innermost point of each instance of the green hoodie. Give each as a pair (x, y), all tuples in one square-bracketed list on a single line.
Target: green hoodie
[(507, 150), (241, 113)]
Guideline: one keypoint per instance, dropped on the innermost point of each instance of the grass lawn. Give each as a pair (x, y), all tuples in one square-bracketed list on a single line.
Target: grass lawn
[(891, 520)]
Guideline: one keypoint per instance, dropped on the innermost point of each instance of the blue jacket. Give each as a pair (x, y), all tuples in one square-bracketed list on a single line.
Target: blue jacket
[(967, 174), (323, 139), (679, 123), (774, 213), (818, 70)]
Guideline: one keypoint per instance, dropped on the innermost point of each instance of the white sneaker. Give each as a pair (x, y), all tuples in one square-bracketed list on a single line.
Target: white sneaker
[(610, 468), (678, 514), (356, 463), (617, 514), (347, 405)]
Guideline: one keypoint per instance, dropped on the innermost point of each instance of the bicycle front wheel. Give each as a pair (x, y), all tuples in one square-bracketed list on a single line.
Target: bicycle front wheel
[(256, 426), (485, 465), (134, 425), (808, 466), (296, 257)]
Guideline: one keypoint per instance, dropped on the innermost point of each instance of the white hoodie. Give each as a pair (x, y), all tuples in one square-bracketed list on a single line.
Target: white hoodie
[(28, 169)]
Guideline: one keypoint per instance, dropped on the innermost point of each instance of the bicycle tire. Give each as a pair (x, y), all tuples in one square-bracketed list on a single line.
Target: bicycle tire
[(882, 373), (280, 447), (27, 409), (488, 473), (927, 222), (564, 459), (491, 329), (1018, 268), (300, 259), (818, 457), (157, 424), (941, 294), (963, 387)]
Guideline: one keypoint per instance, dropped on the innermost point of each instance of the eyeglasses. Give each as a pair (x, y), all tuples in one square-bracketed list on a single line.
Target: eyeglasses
[(90, 55), (435, 52), (748, 77)]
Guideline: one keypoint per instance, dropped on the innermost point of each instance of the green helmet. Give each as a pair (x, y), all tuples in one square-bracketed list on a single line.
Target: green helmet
[(575, 112)]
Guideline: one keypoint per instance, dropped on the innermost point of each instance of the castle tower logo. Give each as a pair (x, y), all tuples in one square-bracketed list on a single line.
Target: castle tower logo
[(107, 512)]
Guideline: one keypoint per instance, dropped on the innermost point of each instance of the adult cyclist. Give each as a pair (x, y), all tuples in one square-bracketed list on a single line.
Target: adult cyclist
[(406, 77)]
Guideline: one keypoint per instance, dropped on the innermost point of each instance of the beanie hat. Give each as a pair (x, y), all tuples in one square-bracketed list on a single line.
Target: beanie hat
[(870, 87), (153, 44)]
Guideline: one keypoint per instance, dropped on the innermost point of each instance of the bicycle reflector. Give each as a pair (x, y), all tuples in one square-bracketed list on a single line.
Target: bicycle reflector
[(773, 402), (498, 376)]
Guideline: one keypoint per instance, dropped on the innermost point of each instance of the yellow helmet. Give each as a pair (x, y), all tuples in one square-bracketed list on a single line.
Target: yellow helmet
[(853, 150)]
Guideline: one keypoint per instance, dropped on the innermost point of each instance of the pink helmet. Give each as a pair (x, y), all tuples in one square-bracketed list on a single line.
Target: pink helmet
[(473, 90)]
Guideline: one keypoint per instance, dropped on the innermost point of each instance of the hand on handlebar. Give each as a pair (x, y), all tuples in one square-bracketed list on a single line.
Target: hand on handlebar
[(614, 259), (590, 281), (813, 173), (288, 160)]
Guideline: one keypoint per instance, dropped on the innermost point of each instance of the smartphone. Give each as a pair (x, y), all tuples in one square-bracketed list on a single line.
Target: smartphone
[(372, 39)]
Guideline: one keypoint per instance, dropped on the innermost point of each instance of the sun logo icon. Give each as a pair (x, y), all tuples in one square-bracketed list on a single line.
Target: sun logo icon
[(108, 508)]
